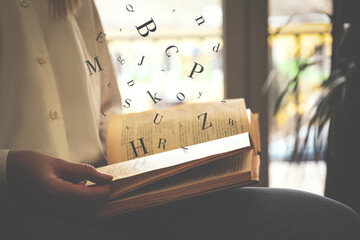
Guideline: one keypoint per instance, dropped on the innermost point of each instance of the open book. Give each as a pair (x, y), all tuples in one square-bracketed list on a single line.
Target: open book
[(187, 150)]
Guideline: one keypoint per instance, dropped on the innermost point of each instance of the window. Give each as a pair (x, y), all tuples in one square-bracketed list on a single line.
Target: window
[(167, 76), (300, 32)]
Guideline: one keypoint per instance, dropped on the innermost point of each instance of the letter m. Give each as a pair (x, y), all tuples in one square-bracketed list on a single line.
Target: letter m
[(92, 67)]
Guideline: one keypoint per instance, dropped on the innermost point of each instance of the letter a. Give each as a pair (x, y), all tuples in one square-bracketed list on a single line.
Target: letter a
[(199, 19), (156, 118), (204, 122), (147, 28), (194, 69), (90, 66)]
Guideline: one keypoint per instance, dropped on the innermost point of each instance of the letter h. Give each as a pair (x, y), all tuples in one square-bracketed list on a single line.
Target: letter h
[(142, 146)]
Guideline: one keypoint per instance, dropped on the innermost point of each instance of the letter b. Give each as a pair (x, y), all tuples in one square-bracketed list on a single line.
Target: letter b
[(145, 25)]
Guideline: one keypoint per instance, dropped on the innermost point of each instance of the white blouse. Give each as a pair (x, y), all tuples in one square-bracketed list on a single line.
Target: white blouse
[(49, 101)]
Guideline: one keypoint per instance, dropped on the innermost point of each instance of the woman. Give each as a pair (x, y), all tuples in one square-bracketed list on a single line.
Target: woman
[(54, 83), (51, 105)]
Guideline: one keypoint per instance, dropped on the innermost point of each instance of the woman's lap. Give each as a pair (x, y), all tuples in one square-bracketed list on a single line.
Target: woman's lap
[(244, 213)]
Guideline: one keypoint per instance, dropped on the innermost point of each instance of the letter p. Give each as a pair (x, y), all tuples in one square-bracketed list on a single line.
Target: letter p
[(194, 69)]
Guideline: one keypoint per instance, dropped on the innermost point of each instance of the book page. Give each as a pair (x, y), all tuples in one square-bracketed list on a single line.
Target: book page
[(255, 132), (211, 149), (142, 134), (231, 165), (229, 172)]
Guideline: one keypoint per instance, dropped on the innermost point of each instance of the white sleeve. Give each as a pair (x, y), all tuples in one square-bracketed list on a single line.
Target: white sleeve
[(3, 158), (110, 96)]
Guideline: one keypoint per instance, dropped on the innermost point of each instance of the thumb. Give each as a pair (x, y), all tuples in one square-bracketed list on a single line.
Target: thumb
[(81, 171)]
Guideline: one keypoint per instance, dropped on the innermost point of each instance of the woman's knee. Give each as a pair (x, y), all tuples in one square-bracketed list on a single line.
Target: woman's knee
[(292, 213)]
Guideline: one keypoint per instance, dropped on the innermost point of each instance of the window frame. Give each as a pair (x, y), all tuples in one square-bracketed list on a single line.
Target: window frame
[(245, 32)]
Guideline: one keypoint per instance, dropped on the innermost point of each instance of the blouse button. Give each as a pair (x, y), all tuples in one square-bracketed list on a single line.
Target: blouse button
[(23, 3), (53, 114), (40, 59)]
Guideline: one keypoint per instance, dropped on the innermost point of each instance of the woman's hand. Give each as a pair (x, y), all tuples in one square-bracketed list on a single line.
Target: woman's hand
[(41, 184)]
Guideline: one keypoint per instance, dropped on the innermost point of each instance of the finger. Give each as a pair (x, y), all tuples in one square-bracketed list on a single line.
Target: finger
[(67, 192), (78, 172), (66, 199)]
